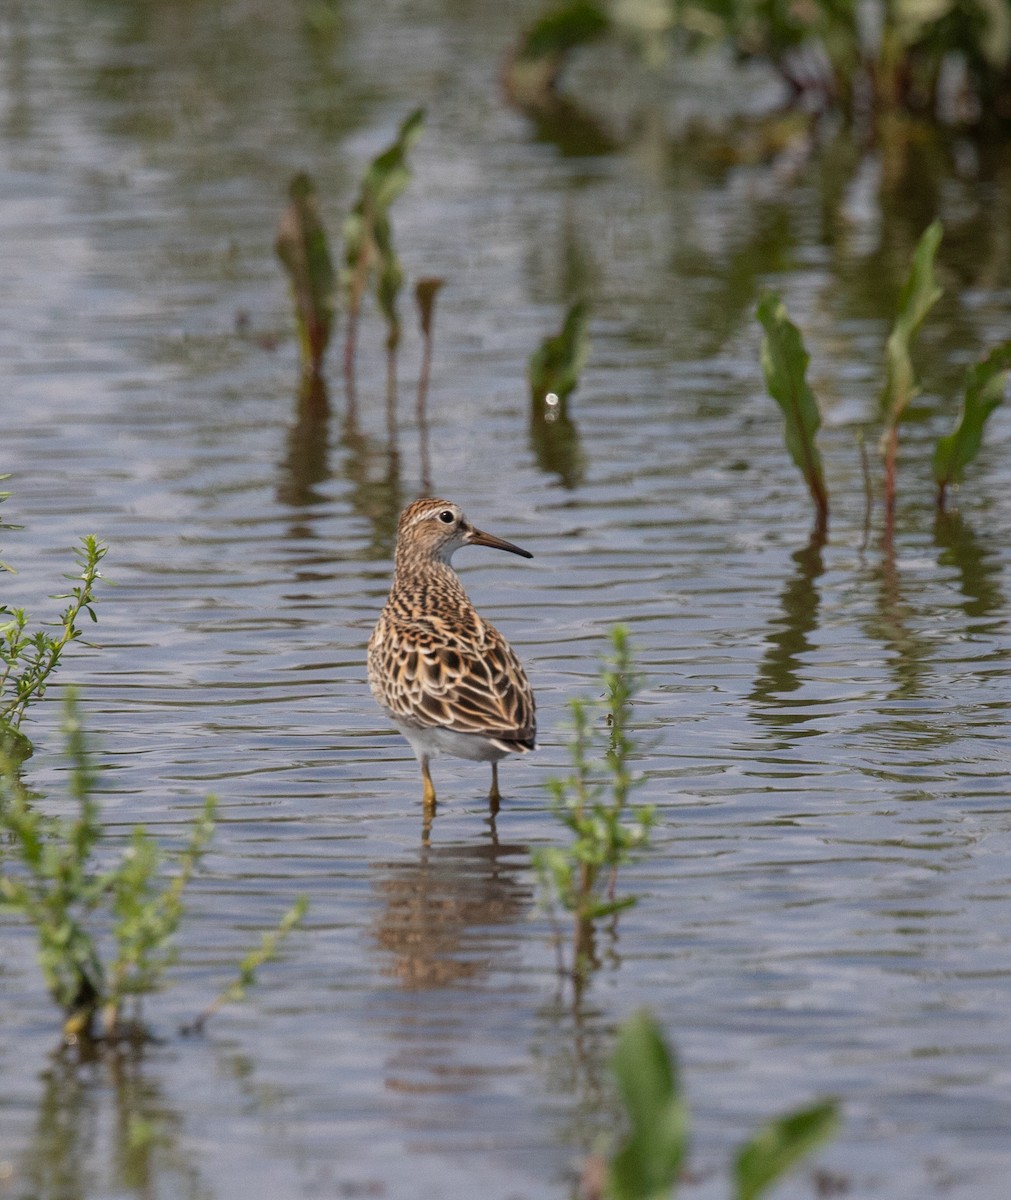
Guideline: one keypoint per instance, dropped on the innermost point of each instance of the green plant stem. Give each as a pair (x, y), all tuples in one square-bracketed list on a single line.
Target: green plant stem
[(29, 660)]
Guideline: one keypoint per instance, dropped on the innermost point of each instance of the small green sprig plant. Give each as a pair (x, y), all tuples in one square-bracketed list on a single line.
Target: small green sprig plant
[(52, 878), (592, 802), (28, 657), (653, 1155)]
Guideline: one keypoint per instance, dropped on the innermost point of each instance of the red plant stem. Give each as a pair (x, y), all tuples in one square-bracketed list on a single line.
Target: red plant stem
[(891, 459), (391, 394), (421, 412)]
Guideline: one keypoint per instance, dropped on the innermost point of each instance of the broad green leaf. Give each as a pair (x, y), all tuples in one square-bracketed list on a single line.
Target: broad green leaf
[(919, 295), (648, 1162), (784, 363), (984, 390), (368, 236), (388, 174), (780, 1145), (302, 248), (555, 365)]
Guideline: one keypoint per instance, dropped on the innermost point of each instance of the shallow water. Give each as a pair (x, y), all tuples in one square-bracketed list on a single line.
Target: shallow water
[(827, 904)]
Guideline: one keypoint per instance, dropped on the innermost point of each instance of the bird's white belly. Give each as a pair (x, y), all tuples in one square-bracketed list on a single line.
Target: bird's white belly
[(430, 743)]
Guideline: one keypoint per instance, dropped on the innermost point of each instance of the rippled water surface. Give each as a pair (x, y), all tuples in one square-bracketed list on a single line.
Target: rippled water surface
[(826, 908)]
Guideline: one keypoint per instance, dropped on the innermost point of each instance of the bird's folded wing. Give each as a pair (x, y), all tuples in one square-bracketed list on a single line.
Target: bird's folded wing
[(461, 685)]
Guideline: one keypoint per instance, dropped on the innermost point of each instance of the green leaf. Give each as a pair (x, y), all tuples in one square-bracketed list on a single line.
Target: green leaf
[(368, 238), (779, 1145), (784, 363), (563, 29), (919, 295), (555, 365), (984, 390), (302, 248), (648, 1162)]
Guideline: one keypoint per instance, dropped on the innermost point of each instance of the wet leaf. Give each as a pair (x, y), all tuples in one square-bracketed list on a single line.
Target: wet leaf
[(649, 1160), (784, 363), (555, 365), (984, 390), (302, 248), (780, 1145), (919, 295)]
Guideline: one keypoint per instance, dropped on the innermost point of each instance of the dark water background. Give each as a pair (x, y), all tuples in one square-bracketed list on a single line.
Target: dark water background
[(827, 905)]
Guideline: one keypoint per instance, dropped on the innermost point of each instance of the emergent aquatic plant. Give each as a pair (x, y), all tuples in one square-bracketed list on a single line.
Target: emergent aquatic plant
[(653, 1154), (368, 245), (302, 248), (532, 73), (866, 64), (74, 903), (553, 372), (919, 294), (784, 363), (29, 657), (592, 802), (425, 292), (554, 367), (984, 390)]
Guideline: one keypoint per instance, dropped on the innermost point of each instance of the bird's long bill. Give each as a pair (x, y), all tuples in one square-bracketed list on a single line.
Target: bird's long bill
[(478, 537)]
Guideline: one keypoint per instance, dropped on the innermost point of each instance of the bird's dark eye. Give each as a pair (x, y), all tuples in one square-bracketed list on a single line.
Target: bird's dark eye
[(446, 517)]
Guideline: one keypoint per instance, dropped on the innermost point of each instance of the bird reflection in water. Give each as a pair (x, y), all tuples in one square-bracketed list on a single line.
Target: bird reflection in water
[(441, 908)]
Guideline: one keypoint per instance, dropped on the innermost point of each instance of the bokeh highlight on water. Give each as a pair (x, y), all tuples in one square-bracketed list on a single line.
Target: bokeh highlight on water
[(827, 906)]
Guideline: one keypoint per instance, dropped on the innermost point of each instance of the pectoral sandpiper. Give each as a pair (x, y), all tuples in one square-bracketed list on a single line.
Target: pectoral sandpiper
[(448, 679)]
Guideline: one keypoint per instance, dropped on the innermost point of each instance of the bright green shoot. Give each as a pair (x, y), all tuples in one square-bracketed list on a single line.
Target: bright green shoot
[(779, 1145), (28, 658), (649, 1161), (6, 525), (784, 363), (592, 804), (984, 391)]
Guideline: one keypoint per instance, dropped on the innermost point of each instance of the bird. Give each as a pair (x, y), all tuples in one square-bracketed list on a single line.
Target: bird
[(445, 676)]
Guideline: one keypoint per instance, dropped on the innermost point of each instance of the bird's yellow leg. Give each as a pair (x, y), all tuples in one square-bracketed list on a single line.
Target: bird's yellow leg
[(428, 792), (494, 796)]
